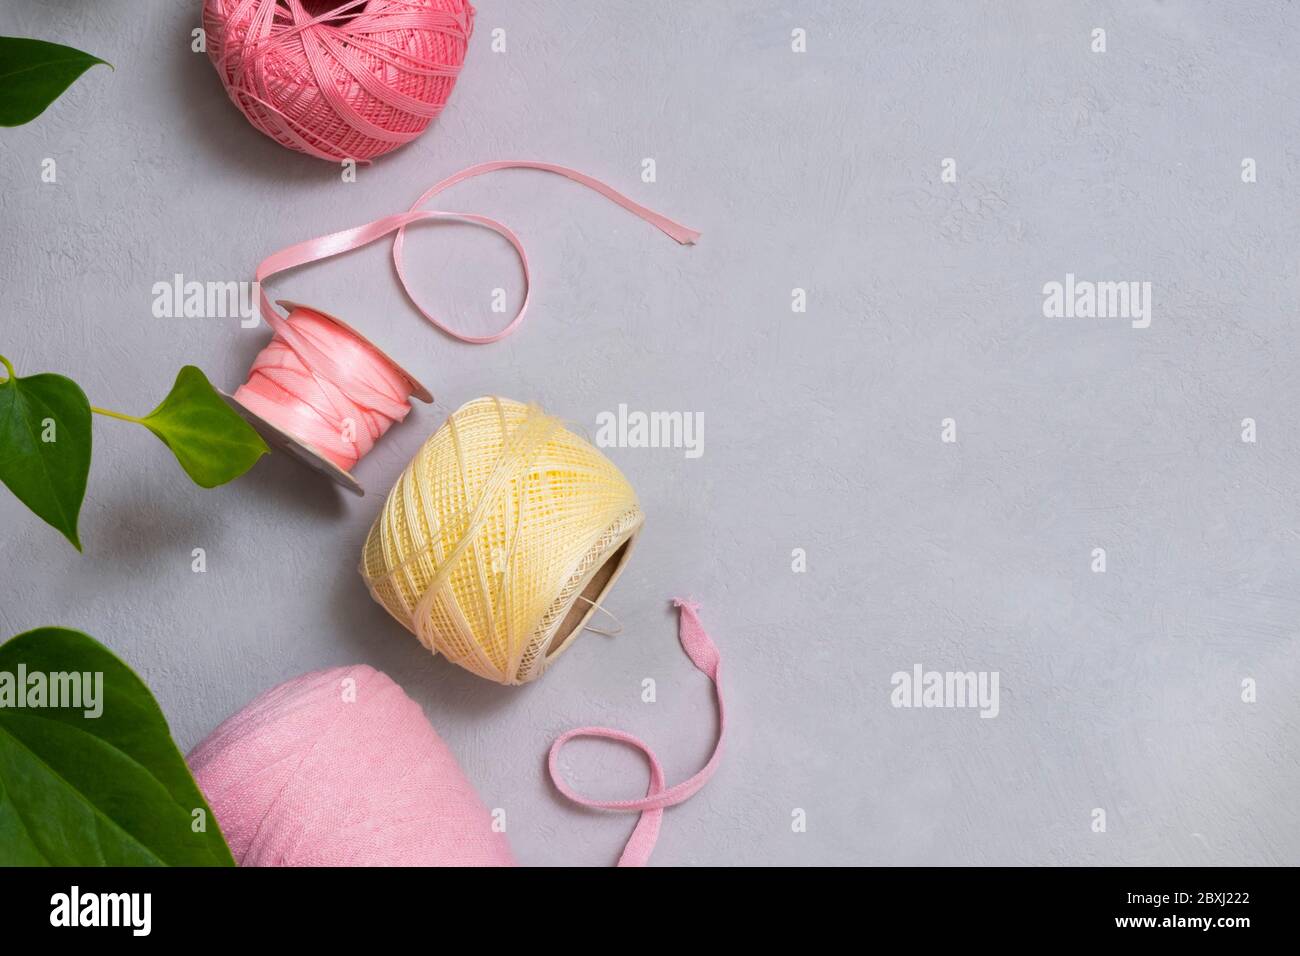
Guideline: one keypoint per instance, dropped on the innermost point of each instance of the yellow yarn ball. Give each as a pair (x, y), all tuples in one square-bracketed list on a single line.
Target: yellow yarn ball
[(499, 538)]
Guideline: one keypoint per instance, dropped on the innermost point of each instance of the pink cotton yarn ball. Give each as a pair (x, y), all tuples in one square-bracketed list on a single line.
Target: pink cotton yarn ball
[(339, 79), (341, 768)]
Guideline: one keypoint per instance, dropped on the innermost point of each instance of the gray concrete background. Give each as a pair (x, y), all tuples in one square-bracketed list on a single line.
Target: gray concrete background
[(818, 170)]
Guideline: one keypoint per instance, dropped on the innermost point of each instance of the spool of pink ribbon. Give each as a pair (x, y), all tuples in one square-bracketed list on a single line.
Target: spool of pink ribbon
[(341, 768), (323, 392)]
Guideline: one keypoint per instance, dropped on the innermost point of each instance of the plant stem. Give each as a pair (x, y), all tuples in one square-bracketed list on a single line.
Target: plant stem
[(98, 411), (105, 411)]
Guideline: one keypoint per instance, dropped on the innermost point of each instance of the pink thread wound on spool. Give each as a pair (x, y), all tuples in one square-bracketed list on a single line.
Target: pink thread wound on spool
[(339, 80), (341, 768), (324, 385)]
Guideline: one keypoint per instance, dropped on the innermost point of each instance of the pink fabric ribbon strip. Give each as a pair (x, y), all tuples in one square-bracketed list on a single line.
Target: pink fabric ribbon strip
[(323, 247), (319, 383), (640, 845)]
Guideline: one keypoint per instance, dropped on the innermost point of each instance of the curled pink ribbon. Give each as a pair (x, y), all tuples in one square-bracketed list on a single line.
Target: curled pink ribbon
[(704, 655), (321, 383), (323, 247)]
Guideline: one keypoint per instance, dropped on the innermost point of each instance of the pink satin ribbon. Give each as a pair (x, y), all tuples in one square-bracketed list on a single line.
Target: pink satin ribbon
[(323, 247), (318, 383), (704, 655)]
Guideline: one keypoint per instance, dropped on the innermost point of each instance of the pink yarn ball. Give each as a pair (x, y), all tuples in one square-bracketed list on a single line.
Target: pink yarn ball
[(341, 768), (339, 79)]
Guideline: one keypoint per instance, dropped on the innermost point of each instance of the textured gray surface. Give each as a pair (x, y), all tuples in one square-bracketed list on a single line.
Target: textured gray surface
[(818, 170)]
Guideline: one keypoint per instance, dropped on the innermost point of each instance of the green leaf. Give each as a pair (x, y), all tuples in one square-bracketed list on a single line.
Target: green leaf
[(106, 790), (34, 73), (45, 446), (212, 443)]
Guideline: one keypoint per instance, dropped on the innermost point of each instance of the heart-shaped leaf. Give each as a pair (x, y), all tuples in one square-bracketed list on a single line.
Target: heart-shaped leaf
[(34, 73), (212, 443), (97, 780), (45, 446)]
